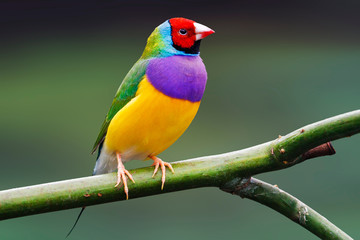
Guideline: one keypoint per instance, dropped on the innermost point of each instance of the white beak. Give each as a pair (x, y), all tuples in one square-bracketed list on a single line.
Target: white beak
[(202, 31)]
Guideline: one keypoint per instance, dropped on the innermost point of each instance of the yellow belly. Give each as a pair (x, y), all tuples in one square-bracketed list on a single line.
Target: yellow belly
[(149, 123)]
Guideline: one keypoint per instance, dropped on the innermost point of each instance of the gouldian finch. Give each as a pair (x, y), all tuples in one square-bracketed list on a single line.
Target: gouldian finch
[(156, 101)]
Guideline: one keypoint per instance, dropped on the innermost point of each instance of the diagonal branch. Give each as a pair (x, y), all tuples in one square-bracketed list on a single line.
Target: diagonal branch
[(194, 173), (286, 204)]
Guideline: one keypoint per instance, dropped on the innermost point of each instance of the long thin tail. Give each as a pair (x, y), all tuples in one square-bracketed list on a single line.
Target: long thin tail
[(83, 208), (77, 219)]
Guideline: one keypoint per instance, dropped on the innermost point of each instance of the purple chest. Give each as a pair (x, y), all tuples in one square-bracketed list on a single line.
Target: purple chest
[(182, 77)]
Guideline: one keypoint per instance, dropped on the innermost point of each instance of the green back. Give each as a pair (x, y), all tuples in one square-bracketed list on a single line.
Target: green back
[(124, 94)]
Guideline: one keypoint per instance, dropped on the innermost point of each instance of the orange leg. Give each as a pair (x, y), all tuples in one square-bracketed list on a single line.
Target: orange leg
[(121, 174), (158, 162)]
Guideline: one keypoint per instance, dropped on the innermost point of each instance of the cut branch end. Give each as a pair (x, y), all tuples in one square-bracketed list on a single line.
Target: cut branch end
[(319, 151)]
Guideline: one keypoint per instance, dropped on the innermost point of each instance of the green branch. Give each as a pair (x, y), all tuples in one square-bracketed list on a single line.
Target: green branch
[(287, 205), (207, 171)]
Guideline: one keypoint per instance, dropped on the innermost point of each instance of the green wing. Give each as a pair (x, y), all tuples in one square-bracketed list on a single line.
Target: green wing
[(124, 94)]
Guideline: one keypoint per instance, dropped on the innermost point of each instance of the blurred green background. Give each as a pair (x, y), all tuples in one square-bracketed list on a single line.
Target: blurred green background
[(273, 67)]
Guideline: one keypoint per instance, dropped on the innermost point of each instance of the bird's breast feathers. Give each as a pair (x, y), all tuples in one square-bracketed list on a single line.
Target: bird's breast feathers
[(167, 100), (182, 77)]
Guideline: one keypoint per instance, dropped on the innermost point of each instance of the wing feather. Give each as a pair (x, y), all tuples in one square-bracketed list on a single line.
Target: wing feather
[(124, 94)]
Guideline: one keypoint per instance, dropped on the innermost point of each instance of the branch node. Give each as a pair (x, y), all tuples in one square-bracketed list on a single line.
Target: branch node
[(303, 213), (236, 186)]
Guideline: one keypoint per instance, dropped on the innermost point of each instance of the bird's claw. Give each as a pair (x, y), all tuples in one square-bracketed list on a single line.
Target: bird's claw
[(121, 175), (158, 162)]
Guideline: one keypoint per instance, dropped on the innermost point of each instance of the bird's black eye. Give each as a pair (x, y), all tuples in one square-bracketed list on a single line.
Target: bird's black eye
[(183, 31)]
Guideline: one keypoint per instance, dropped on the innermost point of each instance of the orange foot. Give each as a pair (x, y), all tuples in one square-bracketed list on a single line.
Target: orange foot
[(121, 174), (157, 162)]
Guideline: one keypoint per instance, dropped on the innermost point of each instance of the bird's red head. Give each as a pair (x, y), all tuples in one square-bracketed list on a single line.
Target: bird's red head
[(186, 34)]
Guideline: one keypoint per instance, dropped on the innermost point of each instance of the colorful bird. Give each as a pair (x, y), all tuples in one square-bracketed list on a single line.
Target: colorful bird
[(156, 101)]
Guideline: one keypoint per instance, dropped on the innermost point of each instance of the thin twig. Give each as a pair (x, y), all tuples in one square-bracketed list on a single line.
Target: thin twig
[(286, 204)]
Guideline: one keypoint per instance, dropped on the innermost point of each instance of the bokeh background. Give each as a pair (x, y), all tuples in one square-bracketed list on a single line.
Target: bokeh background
[(273, 67)]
